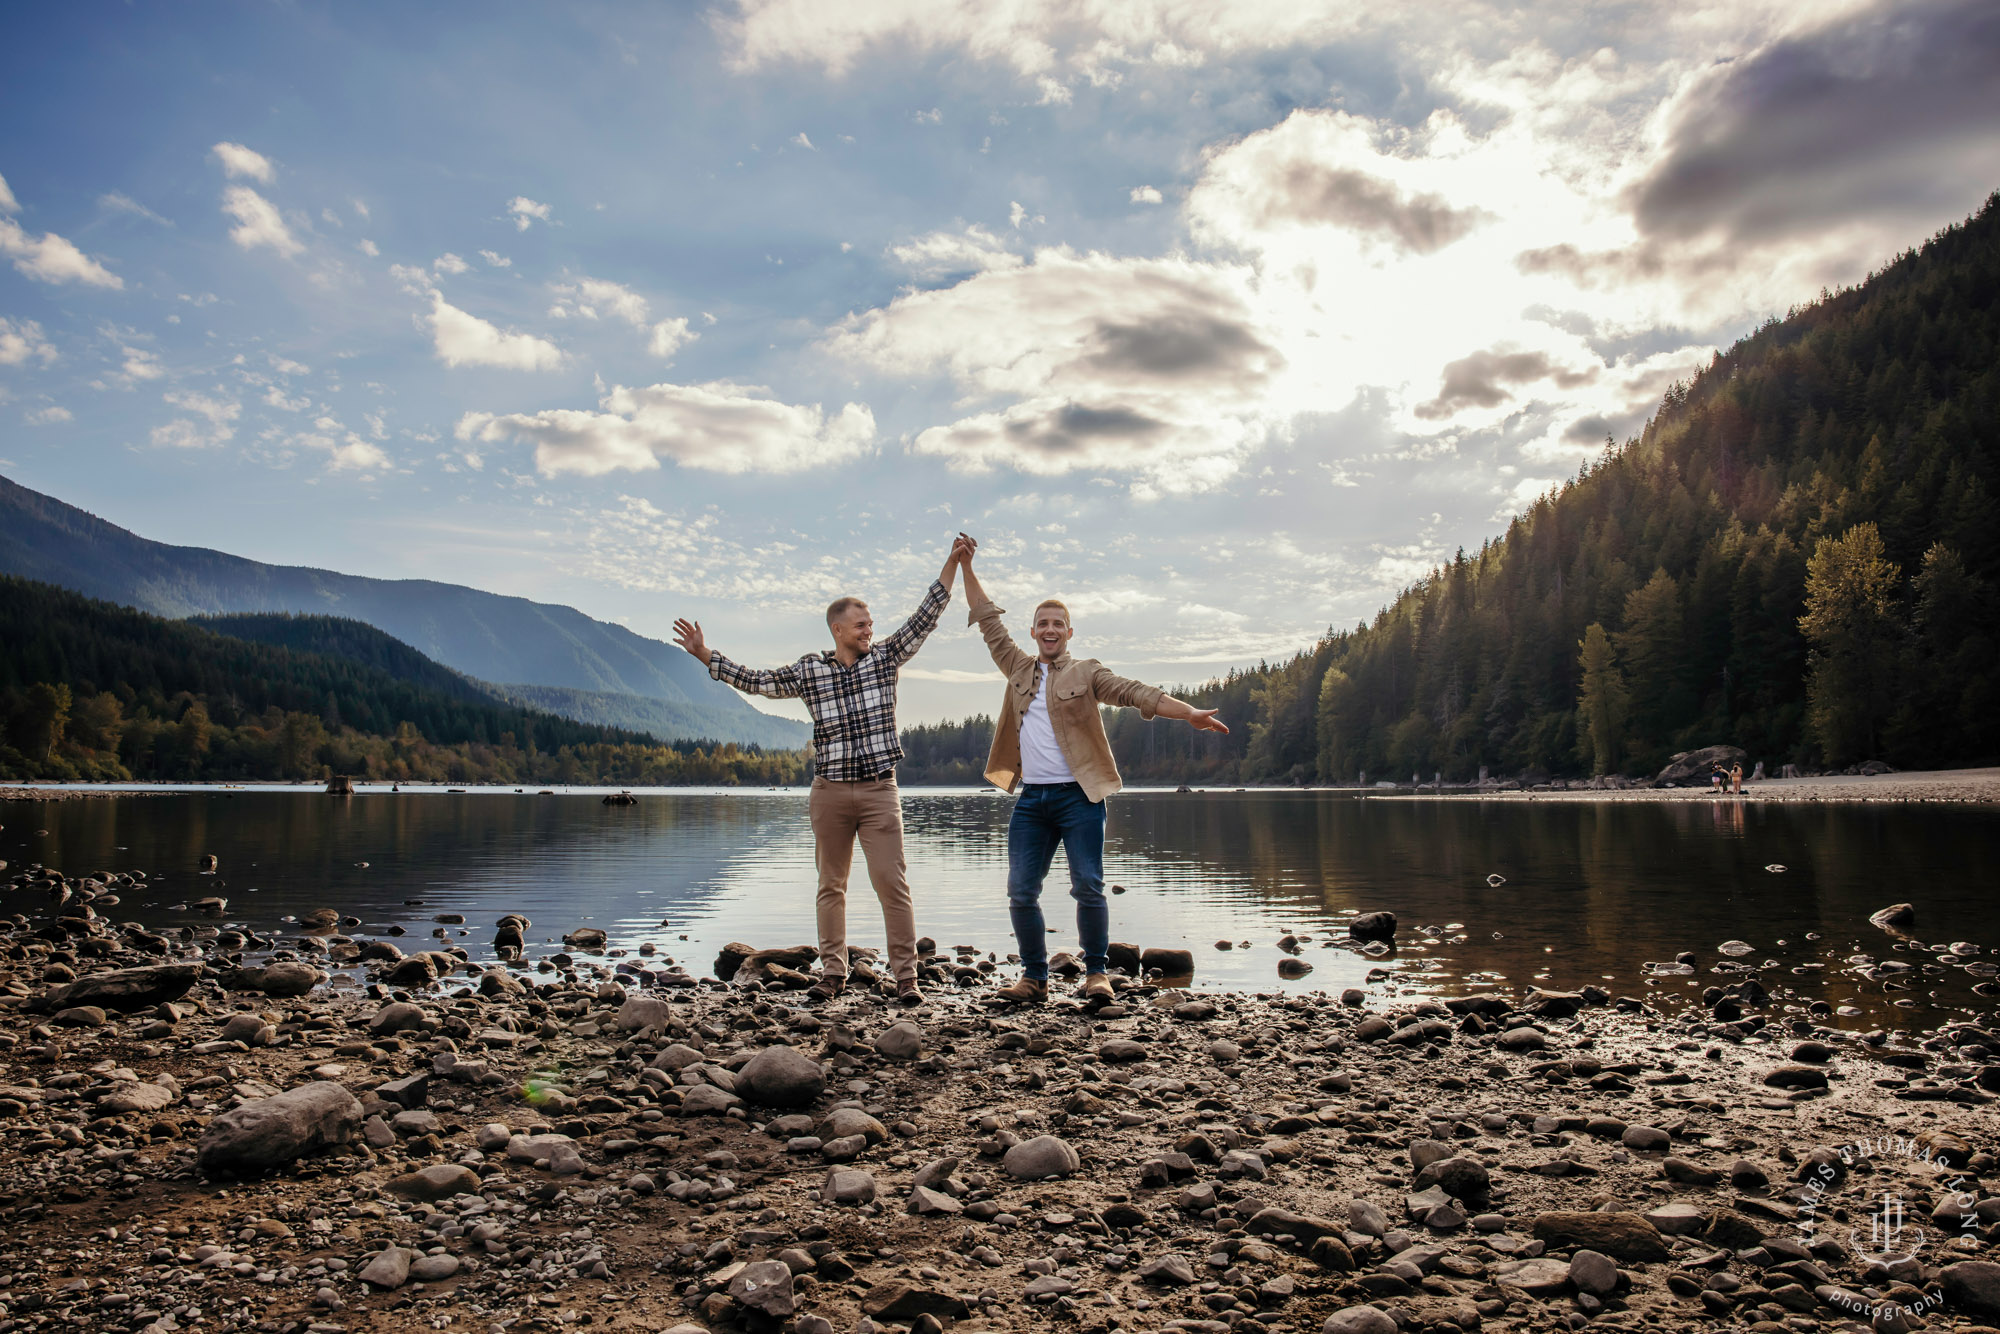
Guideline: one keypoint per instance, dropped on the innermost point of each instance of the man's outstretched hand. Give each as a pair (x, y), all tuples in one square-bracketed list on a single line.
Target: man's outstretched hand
[(688, 635), (1204, 720)]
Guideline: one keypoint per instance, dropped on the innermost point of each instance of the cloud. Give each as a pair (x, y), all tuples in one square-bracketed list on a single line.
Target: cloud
[(48, 258), (258, 223), (720, 427), (354, 454), (1888, 114), (594, 298), (1146, 194), (1155, 367), (141, 364), (498, 261), (275, 397), (941, 254), (49, 416), (931, 117), (238, 161), (368, 248), (526, 212), (670, 336), (22, 339), (463, 339), (1324, 169), (286, 366), (120, 203), (1481, 380), (214, 427), (449, 263), (801, 140)]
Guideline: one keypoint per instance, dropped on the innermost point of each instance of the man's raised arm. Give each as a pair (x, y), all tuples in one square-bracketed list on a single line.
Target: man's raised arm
[(773, 683), (901, 646), (1007, 655)]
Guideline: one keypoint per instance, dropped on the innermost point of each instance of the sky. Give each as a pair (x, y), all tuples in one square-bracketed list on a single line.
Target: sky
[(1221, 322)]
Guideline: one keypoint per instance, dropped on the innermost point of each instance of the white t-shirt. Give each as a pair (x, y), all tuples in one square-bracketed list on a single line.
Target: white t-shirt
[(1041, 758)]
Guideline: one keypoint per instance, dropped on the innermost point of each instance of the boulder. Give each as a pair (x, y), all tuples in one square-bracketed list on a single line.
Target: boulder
[(1696, 765), (1895, 917), (736, 957), (1170, 963), (780, 1076), (1594, 1273), (1360, 1320), (1373, 926), (1125, 958), (1622, 1236), (438, 1182), (396, 1017), (1042, 1156), (277, 979), (1973, 1286), (388, 1269), (433, 1268), (900, 1041), (847, 1122), (1169, 1270), (136, 1097), (899, 1302), (765, 1286), (419, 971), (124, 991), (644, 1012), (1796, 1077), (1307, 1228), (1460, 1178), (590, 939), (707, 1100), (270, 1132)]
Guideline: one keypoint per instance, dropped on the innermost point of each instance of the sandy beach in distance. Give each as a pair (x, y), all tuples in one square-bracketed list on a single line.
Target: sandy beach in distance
[(1960, 785)]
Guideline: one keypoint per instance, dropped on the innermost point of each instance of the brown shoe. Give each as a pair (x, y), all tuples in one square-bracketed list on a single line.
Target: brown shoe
[(908, 992), (1096, 986), (1026, 991), (826, 988)]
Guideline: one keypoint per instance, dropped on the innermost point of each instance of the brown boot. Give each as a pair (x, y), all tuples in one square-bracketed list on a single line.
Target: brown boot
[(1026, 991), (908, 992), (826, 988), (1096, 986)]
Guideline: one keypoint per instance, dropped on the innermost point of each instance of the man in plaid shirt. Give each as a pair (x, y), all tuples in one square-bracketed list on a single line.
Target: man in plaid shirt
[(851, 692)]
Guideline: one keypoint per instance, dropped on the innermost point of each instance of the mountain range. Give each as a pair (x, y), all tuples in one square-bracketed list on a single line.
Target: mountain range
[(531, 654)]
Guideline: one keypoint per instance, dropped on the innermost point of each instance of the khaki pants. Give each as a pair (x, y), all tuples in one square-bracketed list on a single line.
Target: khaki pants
[(873, 810)]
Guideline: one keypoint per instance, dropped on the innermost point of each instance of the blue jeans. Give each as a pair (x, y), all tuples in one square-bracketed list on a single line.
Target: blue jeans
[(1046, 814)]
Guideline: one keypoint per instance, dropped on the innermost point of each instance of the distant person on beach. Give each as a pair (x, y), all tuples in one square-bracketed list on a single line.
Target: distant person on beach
[(1050, 743), (1716, 778), (851, 693), (1736, 778)]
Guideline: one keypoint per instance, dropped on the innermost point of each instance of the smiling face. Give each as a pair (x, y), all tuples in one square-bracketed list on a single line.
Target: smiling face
[(853, 629), (1052, 630)]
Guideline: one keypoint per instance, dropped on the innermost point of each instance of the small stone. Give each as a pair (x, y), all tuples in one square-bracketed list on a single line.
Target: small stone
[(438, 1182), (1689, 1173), (433, 1268), (1119, 1051), (1795, 1077), (765, 1286), (1522, 1039), (1170, 1270), (1621, 1235), (900, 1302), (707, 1100), (781, 1076), (848, 1185), (1645, 1139), (847, 1122), (1360, 1320)]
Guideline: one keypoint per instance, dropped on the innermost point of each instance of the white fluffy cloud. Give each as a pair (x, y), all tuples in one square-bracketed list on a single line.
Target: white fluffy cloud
[(21, 340), (946, 253), (48, 258), (258, 222), (669, 337), (53, 415), (497, 260), (449, 263), (210, 421), (720, 427), (1156, 367), (595, 298), (463, 339), (246, 163), (1147, 194), (526, 212)]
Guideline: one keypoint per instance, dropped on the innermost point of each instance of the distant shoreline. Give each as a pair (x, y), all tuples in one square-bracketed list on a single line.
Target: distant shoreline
[(1955, 786)]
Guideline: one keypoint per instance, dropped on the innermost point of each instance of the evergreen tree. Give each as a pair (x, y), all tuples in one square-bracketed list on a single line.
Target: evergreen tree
[(1602, 703), (1850, 622)]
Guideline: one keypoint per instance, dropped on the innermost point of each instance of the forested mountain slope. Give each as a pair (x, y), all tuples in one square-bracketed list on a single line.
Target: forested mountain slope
[(1798, 555)]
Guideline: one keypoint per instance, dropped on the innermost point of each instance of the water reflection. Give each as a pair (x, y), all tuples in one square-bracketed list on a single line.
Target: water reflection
[(1591, 892)]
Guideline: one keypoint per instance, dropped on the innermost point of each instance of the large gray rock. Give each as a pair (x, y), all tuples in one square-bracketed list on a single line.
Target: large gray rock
[(708, 1100), (396, 1017), (848, 1185), (1360, 1320), (270, 1132), (901, 1041), (644, 1012), (1042, 1156), (389, 1269), (1461, 1178), (137, 1097), (780, 1077), (1593, 1273), (1696, 765), (440, 1181), (126, 990), (277, 979), (848, 1122), (1973, 1286), (765, 1286), (1622, 1235)]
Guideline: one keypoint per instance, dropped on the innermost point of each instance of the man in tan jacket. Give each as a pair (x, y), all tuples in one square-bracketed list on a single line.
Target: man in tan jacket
[(1050, 743)]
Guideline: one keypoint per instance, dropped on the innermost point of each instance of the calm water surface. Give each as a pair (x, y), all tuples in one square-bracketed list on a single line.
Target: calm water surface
[(1593, 892)]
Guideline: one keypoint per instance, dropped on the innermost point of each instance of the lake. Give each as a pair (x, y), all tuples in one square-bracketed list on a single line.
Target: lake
[(1592, 892)]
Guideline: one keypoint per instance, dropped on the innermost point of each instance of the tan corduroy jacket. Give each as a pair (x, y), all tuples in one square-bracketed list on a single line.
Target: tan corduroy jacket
[(1077, 688)]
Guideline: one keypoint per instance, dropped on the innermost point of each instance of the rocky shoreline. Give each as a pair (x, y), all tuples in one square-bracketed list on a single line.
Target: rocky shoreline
[(321, 1132)]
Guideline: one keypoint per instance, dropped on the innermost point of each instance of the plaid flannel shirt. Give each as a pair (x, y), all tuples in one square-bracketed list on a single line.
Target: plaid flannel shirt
[(853, 708)]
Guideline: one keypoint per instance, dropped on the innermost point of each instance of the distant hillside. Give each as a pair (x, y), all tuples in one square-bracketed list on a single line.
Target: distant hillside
[(484, 635), (89, 689), (1799, 555), (633, 713), (351, 640)]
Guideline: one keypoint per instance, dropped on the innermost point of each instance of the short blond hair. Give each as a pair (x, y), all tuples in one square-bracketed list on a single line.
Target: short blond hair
[(1057, 603), (839, 607)]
